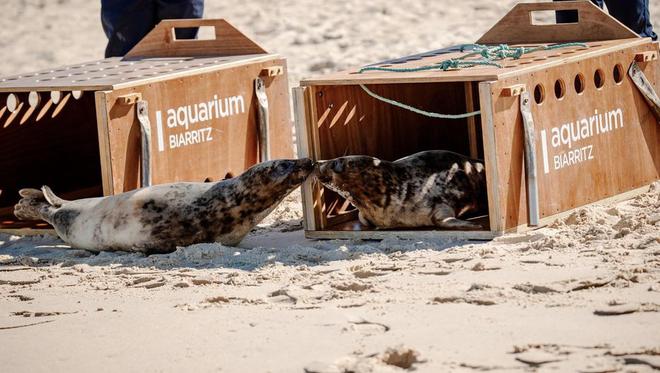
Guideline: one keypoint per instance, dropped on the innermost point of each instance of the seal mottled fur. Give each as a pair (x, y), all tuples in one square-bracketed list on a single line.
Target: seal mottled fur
[(430, 188), (159, 218)]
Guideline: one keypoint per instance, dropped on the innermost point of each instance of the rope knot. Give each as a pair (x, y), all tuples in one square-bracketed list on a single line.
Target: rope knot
[(449, 64)]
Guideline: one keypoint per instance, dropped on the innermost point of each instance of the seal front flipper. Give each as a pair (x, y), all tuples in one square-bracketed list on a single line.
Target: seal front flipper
[(363, 220), (34, 205), (444, 218), (454, 223)]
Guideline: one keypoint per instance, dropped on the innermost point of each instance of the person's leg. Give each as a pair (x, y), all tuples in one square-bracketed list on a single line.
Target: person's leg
[(125, 23), (571, 16), (178, 9), (634, 14)]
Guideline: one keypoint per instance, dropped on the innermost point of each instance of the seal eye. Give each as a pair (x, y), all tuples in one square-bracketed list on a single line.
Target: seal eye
[(337, 166), (283, 168)]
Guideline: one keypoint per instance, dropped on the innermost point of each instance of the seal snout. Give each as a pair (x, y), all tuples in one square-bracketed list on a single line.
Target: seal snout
[(327, 168), (301, 169)]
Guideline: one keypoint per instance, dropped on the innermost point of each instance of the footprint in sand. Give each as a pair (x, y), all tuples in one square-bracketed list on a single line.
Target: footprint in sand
[(460, 299), (351, 286)]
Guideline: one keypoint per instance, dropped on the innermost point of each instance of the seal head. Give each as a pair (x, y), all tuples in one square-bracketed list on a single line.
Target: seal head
[(430, 188)]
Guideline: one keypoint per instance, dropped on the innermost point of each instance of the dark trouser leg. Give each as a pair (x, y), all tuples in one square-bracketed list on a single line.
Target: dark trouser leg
[(634, 14), (571, 16), (178, 9), (125, 23)]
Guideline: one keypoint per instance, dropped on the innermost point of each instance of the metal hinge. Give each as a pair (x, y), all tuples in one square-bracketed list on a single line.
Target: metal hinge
[(142, 110)]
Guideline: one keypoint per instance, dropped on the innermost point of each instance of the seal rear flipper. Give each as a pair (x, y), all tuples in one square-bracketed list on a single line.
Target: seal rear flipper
[(33, 206), (54, 200)]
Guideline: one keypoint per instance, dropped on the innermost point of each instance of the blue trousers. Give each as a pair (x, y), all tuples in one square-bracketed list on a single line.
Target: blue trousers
[(126, 22), (632, 13)]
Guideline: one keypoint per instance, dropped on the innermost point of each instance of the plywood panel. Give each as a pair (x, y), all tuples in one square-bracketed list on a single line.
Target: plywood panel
[(115, 73), (602, 163), (352, 122), (534, 61), (212, 148)]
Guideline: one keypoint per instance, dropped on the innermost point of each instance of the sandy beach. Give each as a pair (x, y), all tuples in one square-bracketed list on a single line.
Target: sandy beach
[(579, 295)]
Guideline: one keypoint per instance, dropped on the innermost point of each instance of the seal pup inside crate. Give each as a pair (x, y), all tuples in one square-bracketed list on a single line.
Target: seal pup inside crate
[(432, 188), (159, 218)]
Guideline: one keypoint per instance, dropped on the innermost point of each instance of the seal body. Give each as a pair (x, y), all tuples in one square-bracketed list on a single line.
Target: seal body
[(159, 218), (429, 188)]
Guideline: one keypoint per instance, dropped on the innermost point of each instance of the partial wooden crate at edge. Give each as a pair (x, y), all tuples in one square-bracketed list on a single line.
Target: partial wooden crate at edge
[(76, 128), (595, 136)]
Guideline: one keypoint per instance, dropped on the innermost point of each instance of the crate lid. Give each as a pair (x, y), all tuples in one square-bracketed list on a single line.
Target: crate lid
[(598, 32), (158, 56)]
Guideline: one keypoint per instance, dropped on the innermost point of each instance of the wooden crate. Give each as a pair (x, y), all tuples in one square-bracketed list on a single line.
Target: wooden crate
[(335, 117), (75, 128)]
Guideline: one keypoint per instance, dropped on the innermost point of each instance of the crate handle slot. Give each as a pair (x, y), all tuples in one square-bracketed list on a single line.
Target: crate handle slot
[(161, 41), (517, 26)]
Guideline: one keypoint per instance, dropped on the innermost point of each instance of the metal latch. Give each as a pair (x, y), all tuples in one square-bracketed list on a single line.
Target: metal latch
[(142, 111), (646, 88), (530, 161), (263, 118)]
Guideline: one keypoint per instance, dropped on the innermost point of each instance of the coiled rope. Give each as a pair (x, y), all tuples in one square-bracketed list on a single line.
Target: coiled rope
[(488, 54)]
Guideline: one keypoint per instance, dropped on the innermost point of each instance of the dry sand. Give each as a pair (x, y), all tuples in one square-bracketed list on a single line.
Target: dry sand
[(580, 295)]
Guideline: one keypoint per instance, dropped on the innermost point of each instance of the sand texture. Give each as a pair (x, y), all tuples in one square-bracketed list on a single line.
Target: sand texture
[(580, 295)]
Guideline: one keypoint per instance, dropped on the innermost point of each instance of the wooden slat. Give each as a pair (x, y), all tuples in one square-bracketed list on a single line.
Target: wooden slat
[(490, 156), (593, 25), (471, 121), (161, 42), (300, 108), (514, 90), (409, 235), (100, 99), (646, 56), (348, 227)]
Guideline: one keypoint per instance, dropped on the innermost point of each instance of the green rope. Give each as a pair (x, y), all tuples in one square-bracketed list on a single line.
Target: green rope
[(419, 111), (488, 57), (444, 65)]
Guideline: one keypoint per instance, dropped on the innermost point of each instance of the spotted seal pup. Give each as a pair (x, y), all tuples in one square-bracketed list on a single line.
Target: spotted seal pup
[(430, 188), (159, 218)]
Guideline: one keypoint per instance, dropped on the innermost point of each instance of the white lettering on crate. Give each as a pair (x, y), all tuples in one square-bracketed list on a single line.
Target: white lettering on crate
[(574, 134), (188, 125)]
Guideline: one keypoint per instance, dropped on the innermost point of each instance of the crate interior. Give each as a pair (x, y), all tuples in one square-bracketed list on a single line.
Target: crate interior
[(350, 122), (48, 144)]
